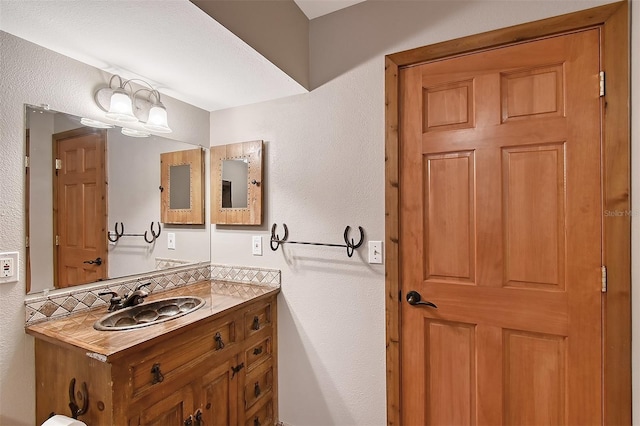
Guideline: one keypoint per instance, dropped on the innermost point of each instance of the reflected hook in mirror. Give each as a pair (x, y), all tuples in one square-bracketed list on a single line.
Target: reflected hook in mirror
[(117, 234), (153, 233)]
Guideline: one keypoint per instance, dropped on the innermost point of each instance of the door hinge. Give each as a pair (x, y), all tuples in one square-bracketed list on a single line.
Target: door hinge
[(26, 161), (57, 240), (399, 295), (601, 83), (58, 164), (26, 243), (604, 279)]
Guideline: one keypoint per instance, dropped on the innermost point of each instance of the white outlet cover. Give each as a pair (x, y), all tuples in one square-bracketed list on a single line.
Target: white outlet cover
[(11, 258)]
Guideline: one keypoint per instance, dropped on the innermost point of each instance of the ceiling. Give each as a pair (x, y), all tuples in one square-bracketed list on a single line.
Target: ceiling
[(316, 8), (178, 48)]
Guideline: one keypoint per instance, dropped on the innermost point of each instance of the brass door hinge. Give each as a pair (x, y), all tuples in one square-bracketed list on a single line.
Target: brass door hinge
[(601, 83), (604, 279), (57, 240), (58, 164)]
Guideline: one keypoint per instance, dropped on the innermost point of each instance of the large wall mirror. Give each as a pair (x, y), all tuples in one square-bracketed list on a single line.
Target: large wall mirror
[(236, 183), (94, 205)]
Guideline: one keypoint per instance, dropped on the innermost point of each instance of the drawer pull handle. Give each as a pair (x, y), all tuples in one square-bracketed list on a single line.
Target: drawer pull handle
[(256, 389), (256, 323), (219, 341), (189, 421), (198, 418), (256, 421), (237, 369), (157, 375), (257, 351)]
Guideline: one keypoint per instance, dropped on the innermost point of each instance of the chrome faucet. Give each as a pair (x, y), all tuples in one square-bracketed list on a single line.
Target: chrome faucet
[(135, 298)]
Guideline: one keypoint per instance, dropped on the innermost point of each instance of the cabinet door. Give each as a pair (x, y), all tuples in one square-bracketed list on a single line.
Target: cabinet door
[(219, 395), (175, 409)]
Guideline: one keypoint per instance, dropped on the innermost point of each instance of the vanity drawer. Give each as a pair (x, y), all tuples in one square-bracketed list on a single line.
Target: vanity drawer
[(257, 318), (263, 416), (164, 361), (258, 352), (258, 385)]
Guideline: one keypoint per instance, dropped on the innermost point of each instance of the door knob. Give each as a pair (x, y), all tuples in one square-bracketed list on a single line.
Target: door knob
[(98, 261), (414, 298)]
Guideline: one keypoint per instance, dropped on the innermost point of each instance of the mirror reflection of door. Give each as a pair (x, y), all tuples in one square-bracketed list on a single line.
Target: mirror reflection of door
[(80, 207), (235, 174)]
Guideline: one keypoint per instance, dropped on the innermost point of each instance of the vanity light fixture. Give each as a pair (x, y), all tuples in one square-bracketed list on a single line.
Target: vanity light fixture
[(127, 106), (135, 133), (95, 123)]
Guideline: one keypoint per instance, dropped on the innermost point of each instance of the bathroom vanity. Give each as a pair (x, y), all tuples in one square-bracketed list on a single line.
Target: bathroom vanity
[(214, 366)]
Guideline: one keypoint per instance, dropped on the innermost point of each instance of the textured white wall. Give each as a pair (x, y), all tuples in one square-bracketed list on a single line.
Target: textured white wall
[(34, 75), (324, 161)]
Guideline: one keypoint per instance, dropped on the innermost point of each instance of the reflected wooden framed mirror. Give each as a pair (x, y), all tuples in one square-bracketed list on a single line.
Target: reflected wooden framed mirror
[(182, 186), (236, 183)]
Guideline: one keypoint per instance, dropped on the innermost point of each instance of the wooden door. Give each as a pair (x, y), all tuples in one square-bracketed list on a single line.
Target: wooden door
[(500, 227), (80, 207), (219, 395)]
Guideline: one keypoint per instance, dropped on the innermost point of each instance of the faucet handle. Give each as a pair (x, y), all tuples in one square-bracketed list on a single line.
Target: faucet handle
[(113, 294), (114, 301), (139, 287)]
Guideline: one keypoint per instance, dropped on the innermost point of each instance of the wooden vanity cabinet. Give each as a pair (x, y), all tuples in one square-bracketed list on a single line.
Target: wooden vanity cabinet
[(215, 372)]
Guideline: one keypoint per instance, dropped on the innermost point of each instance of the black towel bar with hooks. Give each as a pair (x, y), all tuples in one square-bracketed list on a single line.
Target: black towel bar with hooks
[(119, 232), (349, 243)]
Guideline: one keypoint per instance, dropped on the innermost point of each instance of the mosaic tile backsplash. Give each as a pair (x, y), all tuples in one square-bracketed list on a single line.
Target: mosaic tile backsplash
[(233, 280)]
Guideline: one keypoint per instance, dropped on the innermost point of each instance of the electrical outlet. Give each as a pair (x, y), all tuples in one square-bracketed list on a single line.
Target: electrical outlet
[(375, 251), (256, 245), (9, 267), (171, 240)]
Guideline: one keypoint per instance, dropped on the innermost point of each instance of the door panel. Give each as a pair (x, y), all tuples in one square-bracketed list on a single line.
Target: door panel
[(449, 216), (500, 212)]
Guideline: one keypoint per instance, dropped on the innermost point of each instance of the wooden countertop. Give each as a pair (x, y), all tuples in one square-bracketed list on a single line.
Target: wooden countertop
[(76, 330)]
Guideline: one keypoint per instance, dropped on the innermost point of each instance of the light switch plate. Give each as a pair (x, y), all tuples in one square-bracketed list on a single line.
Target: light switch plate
[(171, 240), (256, 245), (375, 251), (9, 264)]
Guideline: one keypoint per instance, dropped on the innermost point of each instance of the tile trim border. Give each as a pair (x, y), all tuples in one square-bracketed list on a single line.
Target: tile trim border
[(63, 302)]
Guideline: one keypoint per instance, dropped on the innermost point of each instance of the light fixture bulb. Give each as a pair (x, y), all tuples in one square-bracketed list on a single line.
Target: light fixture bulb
[(134, 133), (89, 122), (157, 121), (121, 108)]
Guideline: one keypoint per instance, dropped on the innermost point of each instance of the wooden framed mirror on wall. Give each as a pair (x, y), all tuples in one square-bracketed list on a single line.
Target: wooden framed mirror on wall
[(236, 183)]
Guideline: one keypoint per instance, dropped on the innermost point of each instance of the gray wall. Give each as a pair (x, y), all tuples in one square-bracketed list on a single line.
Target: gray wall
[(324, 161), (34, 75)]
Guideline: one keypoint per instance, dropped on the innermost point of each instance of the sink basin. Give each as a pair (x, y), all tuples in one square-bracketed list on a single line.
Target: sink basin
[(147, 314)]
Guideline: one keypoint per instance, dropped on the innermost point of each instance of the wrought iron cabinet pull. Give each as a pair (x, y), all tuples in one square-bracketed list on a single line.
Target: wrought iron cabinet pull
[(219, 342)]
